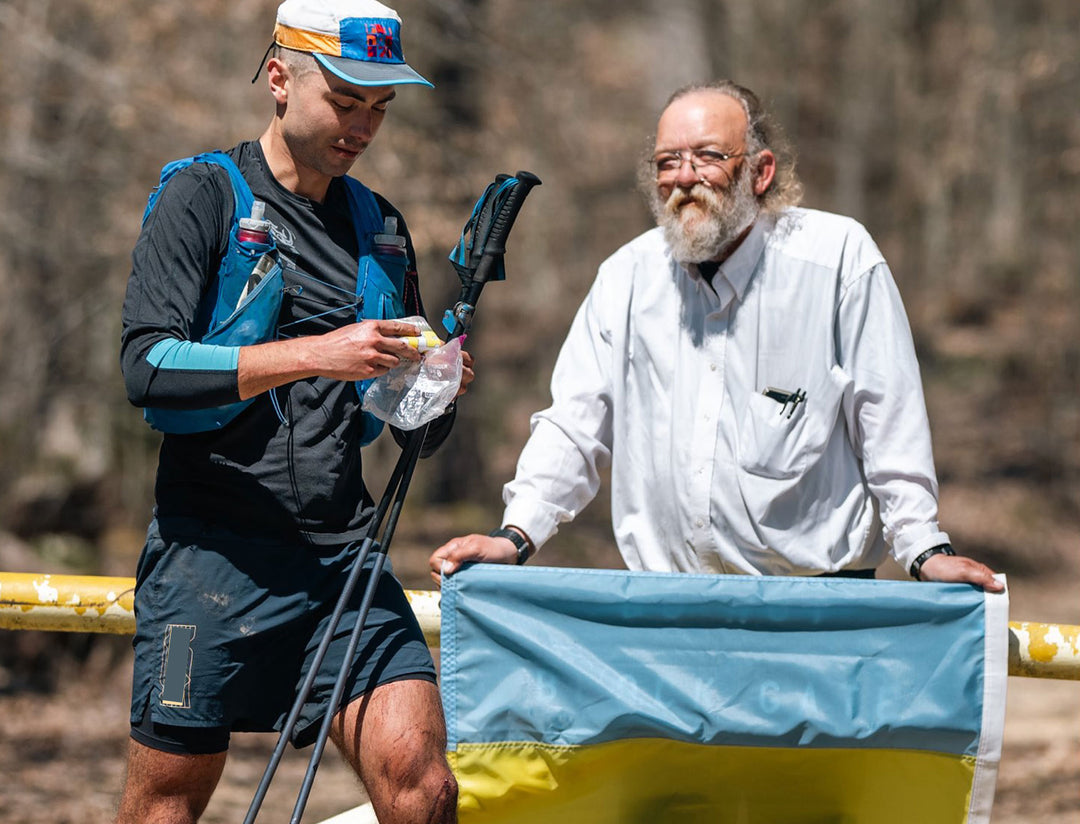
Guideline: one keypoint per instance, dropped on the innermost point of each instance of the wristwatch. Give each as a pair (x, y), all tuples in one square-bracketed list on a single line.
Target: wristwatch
[(916, 566), (516, 538)]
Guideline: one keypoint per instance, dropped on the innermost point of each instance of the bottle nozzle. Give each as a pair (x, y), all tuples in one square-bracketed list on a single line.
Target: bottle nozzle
[(389, 237), (255, 229)]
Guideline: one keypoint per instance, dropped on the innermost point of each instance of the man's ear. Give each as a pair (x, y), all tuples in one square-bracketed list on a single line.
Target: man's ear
[(277, 75), (764, 172)]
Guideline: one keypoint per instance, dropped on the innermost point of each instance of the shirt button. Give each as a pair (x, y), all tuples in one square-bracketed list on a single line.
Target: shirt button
[(699, 523), (712, 366)]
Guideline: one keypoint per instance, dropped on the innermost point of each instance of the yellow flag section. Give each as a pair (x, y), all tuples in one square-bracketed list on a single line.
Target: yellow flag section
[(652, 780), (609, 696)]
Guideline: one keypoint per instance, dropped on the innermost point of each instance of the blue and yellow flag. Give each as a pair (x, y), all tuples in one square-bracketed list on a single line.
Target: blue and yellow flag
[(594, 696)]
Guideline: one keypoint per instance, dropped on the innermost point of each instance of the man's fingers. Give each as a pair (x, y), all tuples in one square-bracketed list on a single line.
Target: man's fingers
[(397, 329), (958, 569), (399, 349), (447, 559), (985, 578), (442, 566), (437, 560), (990, 583)]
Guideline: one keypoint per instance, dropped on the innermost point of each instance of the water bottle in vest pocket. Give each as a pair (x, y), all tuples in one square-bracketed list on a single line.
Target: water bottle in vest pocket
[(242, 300), (382, 284)]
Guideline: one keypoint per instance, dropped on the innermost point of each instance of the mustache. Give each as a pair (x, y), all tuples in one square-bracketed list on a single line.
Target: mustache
[(699, 193)]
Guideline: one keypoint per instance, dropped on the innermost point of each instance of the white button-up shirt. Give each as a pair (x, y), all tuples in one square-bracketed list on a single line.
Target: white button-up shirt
[(664, 376)]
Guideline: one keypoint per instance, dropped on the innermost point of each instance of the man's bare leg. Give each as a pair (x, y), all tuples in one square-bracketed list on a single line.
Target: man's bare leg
[(164, 788), (395, 739)]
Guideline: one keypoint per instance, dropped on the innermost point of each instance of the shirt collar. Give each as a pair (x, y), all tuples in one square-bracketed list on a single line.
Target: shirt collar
[(739, 267)]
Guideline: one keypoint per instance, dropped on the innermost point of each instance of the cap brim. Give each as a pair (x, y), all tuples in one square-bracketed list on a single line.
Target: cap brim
[(365, 73)]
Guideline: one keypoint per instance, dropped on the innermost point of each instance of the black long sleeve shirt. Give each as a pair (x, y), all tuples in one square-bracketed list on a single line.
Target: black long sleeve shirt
[(255, 475)]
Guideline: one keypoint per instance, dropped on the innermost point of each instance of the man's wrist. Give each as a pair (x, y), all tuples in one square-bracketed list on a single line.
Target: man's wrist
[(520, 541), (264, 366), (917, 564)]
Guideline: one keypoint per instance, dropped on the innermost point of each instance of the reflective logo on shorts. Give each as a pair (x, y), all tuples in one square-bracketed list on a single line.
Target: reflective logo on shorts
[(176, 660)]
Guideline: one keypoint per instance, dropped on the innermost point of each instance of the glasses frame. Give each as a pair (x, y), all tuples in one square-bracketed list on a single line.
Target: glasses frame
[(697, 158)]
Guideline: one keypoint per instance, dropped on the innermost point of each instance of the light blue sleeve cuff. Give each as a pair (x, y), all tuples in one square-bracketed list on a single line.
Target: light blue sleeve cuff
[(187, 356)]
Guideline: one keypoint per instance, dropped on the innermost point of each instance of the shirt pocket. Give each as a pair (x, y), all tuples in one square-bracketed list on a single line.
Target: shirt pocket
[(776, 444)]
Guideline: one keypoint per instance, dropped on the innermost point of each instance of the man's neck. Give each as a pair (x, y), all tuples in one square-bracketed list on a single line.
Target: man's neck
[(293, 176)]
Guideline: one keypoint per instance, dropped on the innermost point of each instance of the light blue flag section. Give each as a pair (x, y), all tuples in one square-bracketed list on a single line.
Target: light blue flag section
[(879, 700)]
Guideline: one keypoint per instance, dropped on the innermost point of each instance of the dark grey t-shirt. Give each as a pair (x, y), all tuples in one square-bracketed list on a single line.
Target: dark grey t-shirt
[(256, 474)]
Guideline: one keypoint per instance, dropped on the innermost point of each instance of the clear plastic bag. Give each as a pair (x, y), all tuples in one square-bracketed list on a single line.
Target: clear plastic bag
[(416, 393)]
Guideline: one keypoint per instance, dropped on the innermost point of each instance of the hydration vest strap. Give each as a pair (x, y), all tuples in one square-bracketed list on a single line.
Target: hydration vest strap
[(220, 326), (242, 196), (378, 288)]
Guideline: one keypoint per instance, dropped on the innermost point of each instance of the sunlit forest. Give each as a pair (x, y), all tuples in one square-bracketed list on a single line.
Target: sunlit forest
[(950, 130)]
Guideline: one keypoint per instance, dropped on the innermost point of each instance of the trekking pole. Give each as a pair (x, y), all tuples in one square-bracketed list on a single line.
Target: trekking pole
[(488, 229), (409, 456), (478, 258), (346, 593)]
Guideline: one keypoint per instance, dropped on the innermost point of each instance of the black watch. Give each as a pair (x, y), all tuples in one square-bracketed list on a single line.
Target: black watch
[(516, 538), (916, 565)]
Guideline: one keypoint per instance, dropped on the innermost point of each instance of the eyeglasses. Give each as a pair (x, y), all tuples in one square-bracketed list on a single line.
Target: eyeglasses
[(669, 163)]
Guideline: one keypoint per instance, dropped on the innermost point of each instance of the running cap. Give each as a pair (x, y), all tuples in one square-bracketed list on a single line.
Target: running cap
[(357, 40)]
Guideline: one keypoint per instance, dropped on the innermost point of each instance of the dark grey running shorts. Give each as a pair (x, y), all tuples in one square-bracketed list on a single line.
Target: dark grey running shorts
[(227, 626)]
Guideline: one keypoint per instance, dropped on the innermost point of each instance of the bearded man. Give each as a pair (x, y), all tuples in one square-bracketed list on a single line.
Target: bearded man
[(747, 370)]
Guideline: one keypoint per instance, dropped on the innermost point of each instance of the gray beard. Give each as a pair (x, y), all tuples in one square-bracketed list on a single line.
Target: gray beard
[(694, 239)]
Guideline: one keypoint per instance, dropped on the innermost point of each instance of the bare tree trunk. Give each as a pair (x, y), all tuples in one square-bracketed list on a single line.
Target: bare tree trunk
[(861, 64), (687, 48), (24, 364)]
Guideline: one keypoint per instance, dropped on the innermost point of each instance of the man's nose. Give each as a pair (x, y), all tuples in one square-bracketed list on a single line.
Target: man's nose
[(359, 125), (687, 176)]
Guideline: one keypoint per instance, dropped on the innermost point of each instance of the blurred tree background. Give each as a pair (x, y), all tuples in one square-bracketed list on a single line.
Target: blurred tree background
[(951, 130)]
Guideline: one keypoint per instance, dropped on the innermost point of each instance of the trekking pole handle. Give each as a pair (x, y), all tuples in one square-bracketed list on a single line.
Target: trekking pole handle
[(458, 320), (503, 222)]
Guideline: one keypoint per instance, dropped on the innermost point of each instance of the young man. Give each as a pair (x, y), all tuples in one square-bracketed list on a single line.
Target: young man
[(247, 554), (747, 369)]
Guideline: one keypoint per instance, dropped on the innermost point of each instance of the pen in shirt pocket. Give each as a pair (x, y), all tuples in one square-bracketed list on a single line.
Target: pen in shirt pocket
[(785, 398)]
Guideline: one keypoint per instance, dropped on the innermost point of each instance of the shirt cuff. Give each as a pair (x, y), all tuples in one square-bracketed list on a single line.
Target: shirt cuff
[(907, 547), (531, 519)]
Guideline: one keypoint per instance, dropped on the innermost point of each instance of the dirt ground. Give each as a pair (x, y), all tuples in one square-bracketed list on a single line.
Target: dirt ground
[(62, 753)]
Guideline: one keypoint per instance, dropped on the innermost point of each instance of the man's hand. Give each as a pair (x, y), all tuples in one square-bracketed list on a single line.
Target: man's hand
[(457, 551), (956, 569), (467, 374), (363, 350), (352, 353)]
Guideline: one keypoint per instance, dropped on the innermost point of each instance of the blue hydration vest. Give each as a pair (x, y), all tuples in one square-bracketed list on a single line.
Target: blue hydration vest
[(223, 320)]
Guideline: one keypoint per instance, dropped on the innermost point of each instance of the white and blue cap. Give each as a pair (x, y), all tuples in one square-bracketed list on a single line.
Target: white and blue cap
[(357, 40)]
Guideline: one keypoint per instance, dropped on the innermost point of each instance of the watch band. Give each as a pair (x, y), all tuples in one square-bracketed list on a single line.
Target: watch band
[(516, 538), (916, 565)]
